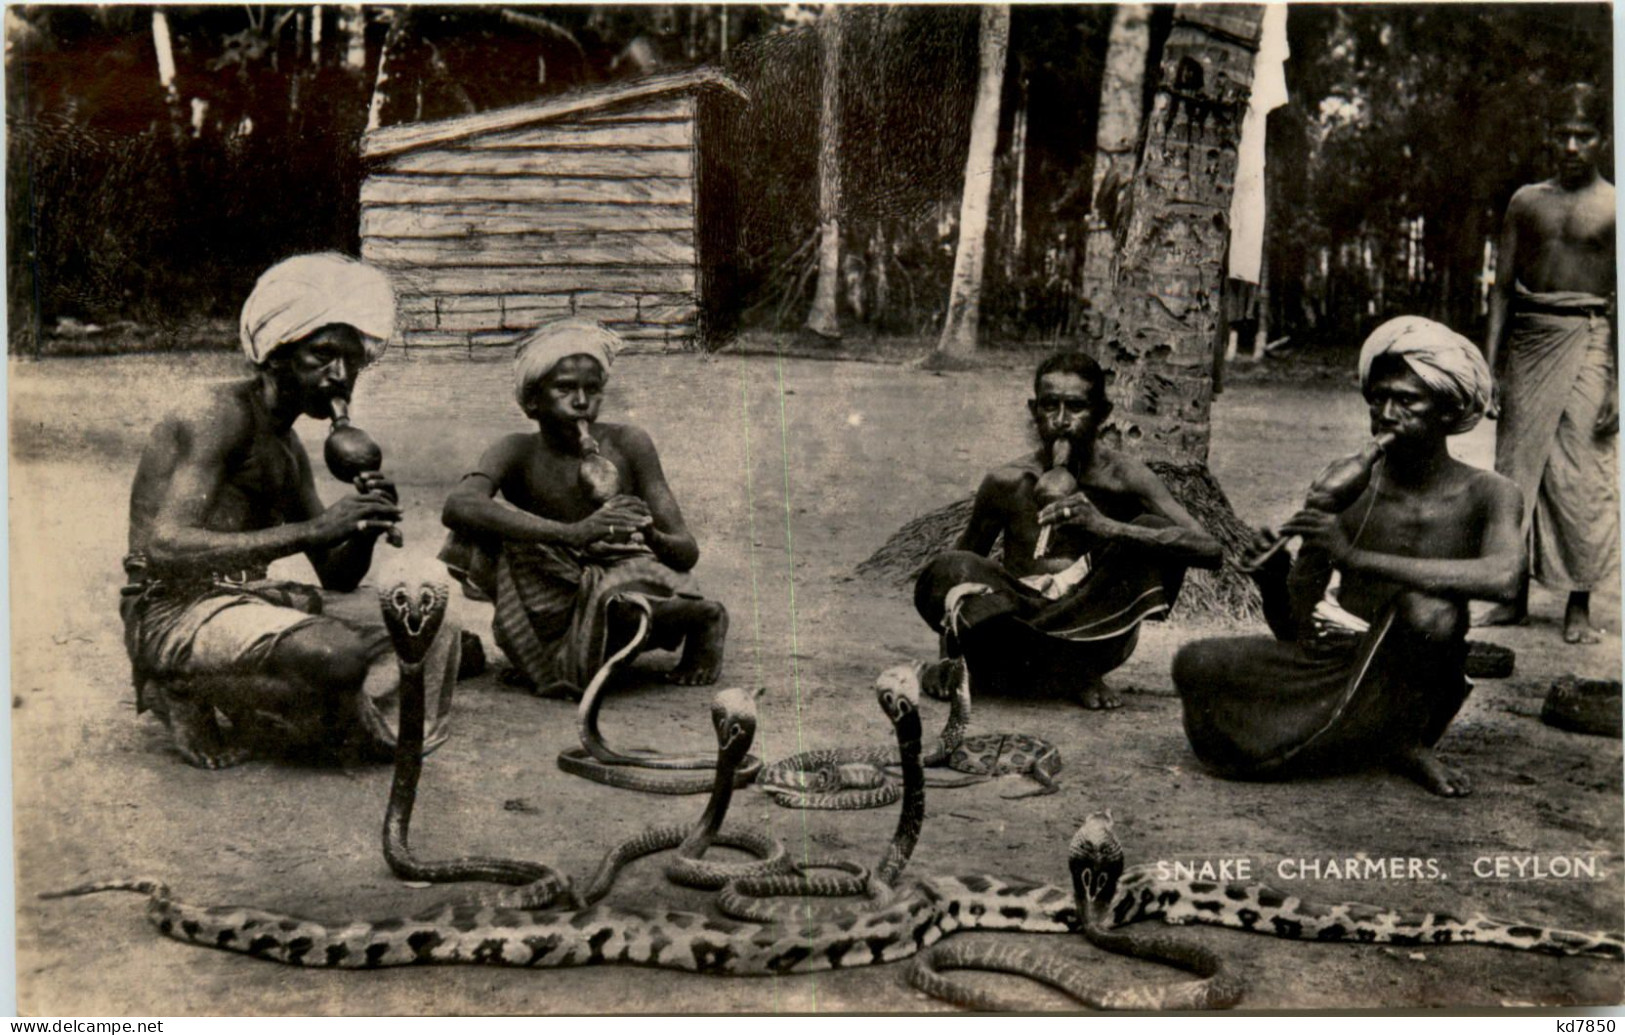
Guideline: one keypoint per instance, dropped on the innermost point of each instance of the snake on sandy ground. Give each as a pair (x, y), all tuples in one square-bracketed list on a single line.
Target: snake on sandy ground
[(779, 898), (1108, 897), (597, 761), (921, 913), (733, 717), (1096, 860), (856, 778), (413, 619)]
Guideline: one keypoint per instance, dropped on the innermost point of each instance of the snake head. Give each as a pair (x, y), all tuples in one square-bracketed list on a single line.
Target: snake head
[(733, 715), (1095, 858), (898, 690), (413, 617)]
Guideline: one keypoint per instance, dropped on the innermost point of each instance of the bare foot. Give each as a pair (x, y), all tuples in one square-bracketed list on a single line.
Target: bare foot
[(199, 739), (707, 627), (1097, 696), (1577, 620), (1501, 614), (1423, 766)]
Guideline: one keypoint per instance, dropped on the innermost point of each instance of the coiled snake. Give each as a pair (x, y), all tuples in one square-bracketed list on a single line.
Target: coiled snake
[(597, 761), (1108, 897), (413, 619), (1096, 860), (856, 778), (778, 898), (733, 716)]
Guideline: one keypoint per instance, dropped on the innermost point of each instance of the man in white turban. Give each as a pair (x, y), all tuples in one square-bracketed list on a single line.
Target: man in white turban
[(1449, 364), (223, 489), (1373, 675), (299, 296), (593, 540)]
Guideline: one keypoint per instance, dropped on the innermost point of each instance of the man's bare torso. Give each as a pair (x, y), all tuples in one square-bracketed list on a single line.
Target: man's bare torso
[(1101, 479), (1566, 237), (1446, 521), (547, 482), (261, 484)]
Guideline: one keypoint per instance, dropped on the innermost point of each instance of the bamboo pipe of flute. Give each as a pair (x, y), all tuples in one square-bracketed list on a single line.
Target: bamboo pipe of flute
[(1060, 455), (1338, 486)]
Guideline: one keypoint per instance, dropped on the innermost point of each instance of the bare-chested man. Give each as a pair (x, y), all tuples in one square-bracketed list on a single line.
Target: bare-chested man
[(568, 574), (1375, 676), (223, 489), (1552, 328), (1120, 543)]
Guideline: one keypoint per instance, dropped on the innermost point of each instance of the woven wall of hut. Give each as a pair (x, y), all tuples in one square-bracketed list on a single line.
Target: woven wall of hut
[(491, 228)]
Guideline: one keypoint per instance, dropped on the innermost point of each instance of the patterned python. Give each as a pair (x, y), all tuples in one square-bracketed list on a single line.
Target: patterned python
[(988, 755), (1096, 860), (1004, 754), (782, 898), (597, 761), (856, 778), (1108, 898), (921, 914), (413, 619)]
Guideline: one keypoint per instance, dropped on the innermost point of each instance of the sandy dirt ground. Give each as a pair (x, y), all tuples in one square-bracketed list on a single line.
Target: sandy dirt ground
[(791, 471)]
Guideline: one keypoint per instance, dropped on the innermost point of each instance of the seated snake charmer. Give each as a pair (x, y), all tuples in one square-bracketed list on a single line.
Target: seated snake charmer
[(566, 567), (1374, 676), (1119, 545), (223, 489)]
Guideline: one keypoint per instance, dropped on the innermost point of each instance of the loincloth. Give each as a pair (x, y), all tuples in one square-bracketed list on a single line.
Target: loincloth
[(1255, 706), (225, 625), (1560, 373), (551, 618)]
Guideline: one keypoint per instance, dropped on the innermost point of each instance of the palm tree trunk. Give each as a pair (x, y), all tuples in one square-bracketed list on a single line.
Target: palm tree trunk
[(824, 318), (1168, 297), (959, 330), (1117, 136)]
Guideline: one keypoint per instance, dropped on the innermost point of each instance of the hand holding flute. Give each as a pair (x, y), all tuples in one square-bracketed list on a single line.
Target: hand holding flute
[(351, 456), (1338, 486), (1057, 483)]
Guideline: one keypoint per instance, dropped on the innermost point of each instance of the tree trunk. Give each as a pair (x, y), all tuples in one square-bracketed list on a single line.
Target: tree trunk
[(824, 318), (355, 30), (381, 85), (965, 297), (1169, 295), (1117, 137), (164, 48), (1014, 229)]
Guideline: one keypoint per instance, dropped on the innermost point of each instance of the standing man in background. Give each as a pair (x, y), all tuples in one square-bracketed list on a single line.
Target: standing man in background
[(1551, 327)]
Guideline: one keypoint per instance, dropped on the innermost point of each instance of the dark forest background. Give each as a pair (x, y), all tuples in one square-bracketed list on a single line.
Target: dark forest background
[(130, 203)]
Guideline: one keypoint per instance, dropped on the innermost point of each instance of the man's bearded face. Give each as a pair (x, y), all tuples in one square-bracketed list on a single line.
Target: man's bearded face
[(318, 368), (1401, 404), (1064, 408), (571, 392)]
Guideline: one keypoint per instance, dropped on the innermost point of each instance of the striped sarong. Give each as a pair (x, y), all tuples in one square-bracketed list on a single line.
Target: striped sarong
[(1044, 634), (1559, 369), (551, 604)]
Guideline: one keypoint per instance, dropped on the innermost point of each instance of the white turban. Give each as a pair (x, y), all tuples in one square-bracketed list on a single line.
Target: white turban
[(541, 350), (306, 293), (1447, 363)]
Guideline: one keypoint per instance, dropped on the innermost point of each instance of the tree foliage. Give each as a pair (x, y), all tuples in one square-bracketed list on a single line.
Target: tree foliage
[(1403, 113)]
